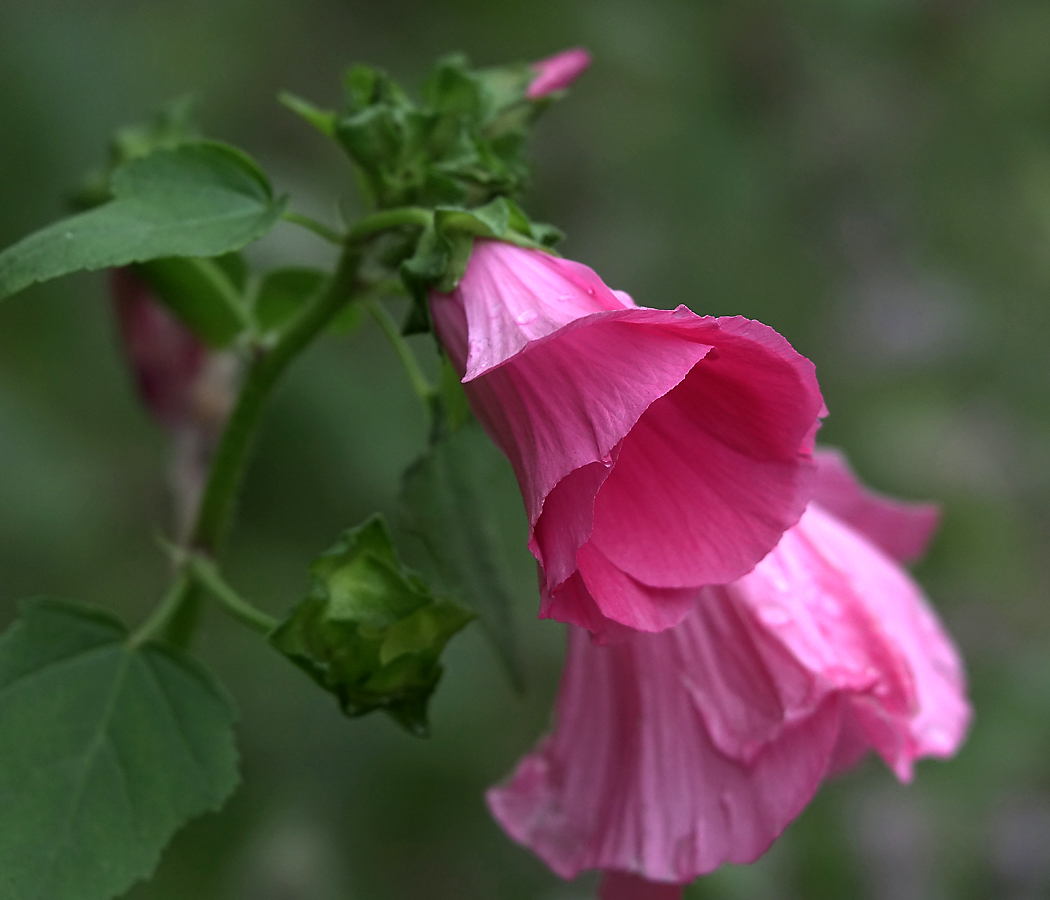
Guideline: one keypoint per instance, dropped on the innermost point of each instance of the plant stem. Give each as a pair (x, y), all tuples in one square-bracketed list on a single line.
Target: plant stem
[(227, 468), (311, 224), (206, 575), (423, 388), (266, 368), (390, 218), (168, 607)]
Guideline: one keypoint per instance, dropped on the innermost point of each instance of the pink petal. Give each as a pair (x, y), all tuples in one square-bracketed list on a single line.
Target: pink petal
[(900, 616), (669, 449), (568, 399), (555, 73), (859, 623), (900, 529), (632, 780), (625, 886), (572, 603), (623, 599), (566, 521), (712, 474)]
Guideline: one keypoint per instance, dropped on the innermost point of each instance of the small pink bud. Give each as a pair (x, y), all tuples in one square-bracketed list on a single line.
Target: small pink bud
[(166, 357), (555, 73)]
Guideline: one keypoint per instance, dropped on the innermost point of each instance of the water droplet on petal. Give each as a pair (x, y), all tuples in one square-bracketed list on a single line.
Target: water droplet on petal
[(525, 316)]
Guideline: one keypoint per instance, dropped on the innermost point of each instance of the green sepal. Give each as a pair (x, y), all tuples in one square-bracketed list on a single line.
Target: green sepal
[(107, 747), (370, 631), (444, 249), (462, 145), (201, 199), (322, 119)]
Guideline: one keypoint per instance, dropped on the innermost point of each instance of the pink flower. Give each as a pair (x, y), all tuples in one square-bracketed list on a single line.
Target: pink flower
[(555, 73), (657, 451), (676, 752)]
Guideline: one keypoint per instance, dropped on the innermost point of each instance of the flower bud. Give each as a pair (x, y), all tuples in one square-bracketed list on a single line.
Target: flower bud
[(555, 73)]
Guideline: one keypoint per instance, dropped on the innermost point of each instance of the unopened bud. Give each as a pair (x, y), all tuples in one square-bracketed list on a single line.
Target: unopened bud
[(555, 73)]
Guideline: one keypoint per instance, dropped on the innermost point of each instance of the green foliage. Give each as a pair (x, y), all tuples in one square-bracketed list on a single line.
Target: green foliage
[(206, 294), (106, 749), (194, 200), (463, 144), (454, 500), (370, 631), (173, 124), (283, 292)]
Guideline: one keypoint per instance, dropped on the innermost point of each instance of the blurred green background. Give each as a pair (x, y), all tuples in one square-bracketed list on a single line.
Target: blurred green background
[(870, 177)]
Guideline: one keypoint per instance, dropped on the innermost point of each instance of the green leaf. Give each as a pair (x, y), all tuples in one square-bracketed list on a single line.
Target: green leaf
[(202, 293), (198, 200), (284, 292), (173, 124), (369, 631), (456, 500), (106, 749)]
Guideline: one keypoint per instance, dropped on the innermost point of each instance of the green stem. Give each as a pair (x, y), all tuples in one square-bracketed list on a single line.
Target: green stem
[(227, 468), (390, 218), (311, 224), (423, 388), (180, 589), (266, 368), (228, 464), (208, 577)]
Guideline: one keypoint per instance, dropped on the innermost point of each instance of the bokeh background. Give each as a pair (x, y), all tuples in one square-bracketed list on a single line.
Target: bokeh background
[(870, 177)]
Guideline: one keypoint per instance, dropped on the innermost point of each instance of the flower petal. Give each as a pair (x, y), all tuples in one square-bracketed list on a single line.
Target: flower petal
[(555, 73), (567, 400), (715, 471), (900, 529), (859, 623), (631, 779)]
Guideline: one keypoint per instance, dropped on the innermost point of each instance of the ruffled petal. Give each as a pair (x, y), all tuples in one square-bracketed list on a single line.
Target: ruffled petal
[(900, 529), (573, 604), (567, 400), (713, 473), (627, 601), (860, 624), (900, 617), (631, 779), (566, 521)]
